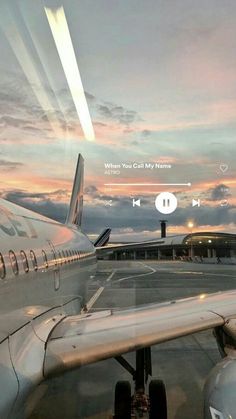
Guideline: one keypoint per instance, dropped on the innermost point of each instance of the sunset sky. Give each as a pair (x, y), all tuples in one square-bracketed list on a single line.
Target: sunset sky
[(160, 83)]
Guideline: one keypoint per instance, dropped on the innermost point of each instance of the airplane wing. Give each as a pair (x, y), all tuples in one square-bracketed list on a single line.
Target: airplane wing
[(88, 338), (101, 250)]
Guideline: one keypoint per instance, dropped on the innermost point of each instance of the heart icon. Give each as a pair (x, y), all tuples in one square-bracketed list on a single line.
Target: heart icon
[(224, 167)]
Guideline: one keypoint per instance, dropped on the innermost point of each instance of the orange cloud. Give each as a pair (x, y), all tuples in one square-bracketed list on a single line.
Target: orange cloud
[(34, 183), (182, 229)]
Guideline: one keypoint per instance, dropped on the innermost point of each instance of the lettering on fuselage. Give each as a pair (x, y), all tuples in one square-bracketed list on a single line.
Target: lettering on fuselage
[(12, 226)]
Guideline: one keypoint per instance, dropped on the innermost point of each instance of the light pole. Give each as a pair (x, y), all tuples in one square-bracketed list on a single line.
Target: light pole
[(190, 226)]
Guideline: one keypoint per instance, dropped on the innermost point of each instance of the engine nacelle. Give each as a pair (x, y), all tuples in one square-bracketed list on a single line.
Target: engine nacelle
[(220, 391), (220, 386)]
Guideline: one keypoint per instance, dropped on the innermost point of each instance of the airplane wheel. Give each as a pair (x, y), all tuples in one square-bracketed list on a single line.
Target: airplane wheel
[(123, 400), (157, 399)]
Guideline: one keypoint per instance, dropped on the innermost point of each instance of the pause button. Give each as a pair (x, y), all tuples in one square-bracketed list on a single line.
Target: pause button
[(166, 202)]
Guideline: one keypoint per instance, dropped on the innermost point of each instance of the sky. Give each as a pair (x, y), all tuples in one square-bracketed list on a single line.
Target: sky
[(160, 85)]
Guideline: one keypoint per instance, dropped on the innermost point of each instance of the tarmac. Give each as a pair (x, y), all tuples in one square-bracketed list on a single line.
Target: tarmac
[(183, 364)]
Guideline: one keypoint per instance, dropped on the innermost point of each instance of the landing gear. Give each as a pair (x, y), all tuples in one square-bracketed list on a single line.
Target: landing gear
[(140, 405), (123, 400), (157, 400)]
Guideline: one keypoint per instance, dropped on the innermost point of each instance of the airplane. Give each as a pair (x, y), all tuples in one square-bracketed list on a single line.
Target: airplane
[(45, 267)]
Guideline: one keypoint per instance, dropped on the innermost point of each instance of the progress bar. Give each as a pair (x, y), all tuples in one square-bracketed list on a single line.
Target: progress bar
[(148, 184)]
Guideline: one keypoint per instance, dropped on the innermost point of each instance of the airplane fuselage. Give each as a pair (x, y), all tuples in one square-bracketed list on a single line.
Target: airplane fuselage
[(39, 261), (45, 267)]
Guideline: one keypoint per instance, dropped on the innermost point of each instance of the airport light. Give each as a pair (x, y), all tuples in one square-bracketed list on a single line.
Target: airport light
[(61, 35), (190, 224)]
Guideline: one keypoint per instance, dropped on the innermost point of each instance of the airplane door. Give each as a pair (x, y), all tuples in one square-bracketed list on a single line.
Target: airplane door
[(56, 269)]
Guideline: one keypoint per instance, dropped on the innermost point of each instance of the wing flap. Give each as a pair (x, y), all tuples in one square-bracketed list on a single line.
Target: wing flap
[(81, 340)]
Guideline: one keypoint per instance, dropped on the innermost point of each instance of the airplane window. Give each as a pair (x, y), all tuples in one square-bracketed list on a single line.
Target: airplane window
[(45, 259), (64, 256), (60, 258), (14, 263), (54, 257), (33, 260), (24, 261), (70, 258), (2, 267)]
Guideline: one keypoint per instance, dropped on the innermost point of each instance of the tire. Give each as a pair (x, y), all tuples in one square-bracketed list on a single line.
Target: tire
[(157, 399), (123, 400)]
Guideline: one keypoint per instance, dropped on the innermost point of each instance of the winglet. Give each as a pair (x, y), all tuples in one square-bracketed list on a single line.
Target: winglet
[(103, 239), (74, 215)]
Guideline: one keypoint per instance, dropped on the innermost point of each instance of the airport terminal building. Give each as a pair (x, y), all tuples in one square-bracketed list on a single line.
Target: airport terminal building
[(208, 246)]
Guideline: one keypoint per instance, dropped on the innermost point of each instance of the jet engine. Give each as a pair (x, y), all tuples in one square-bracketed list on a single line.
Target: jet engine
[(220, 386)]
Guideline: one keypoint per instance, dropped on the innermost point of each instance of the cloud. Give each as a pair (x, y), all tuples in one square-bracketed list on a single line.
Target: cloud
[(40, 203), (89, 96), (117, 114), (7, 120), (219, 192), (128, 130), (146, 133), (33, 129), (22, 115), (99, 124), (23, 195), (91, 190), (7, 165), (110, 112), (19, 110), (23, 119), (121, 215), (16, 96)]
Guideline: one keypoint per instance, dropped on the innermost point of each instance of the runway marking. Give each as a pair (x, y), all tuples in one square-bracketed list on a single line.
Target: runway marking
[(219, 274), (160, 268), (111, 275), (187, 272), (97, 294), (202, 273), (135, 276), (94, 298), (206, 273)]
